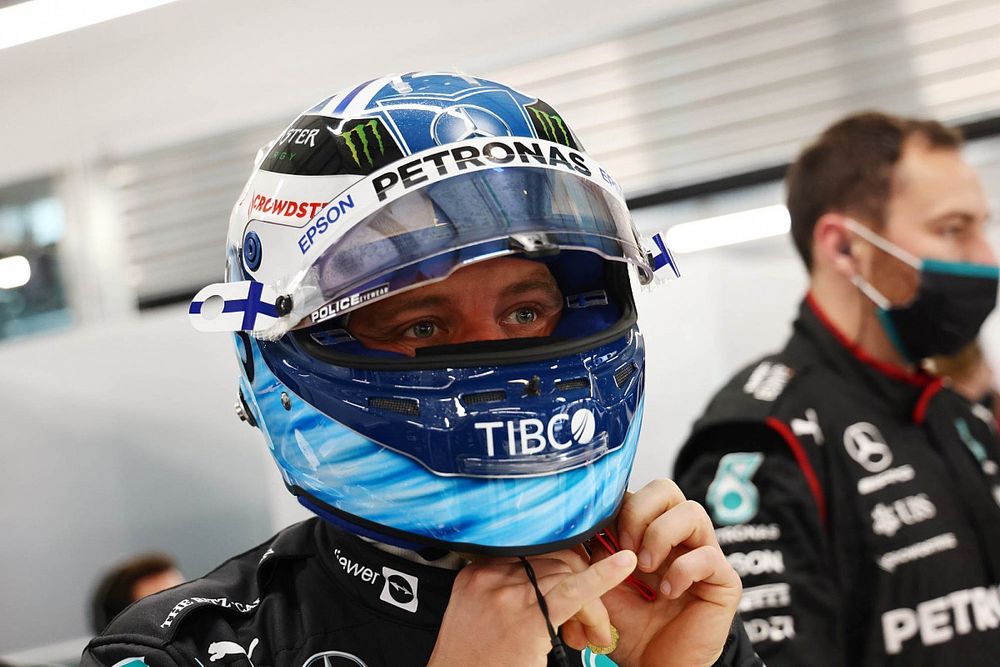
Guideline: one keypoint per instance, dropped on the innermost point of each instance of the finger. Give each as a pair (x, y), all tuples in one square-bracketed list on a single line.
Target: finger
[(558, 562), (573, 592), (593, 615), (707, 565), (642, 508), (592, 618), (575, 560), (561, 553), (687, 524), (574, 635), (596, 622), (544, 567)]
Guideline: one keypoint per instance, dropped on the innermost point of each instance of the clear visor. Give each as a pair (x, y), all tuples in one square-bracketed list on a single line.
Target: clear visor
[(427, 234)]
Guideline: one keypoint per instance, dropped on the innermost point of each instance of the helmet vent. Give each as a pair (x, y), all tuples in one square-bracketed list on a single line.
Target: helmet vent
[(404, 406), (575, 383), (623, 374), (484, 397)]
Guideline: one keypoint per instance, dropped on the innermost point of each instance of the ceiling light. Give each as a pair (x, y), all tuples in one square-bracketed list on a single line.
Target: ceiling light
[(14, 272), (723, 230), (37, 19)]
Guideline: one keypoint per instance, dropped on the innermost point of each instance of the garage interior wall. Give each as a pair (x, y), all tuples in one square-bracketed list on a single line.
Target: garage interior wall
[(118, 434)]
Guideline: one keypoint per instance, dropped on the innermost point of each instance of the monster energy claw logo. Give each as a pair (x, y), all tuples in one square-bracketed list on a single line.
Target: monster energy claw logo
[(553, 125), (360, 132)]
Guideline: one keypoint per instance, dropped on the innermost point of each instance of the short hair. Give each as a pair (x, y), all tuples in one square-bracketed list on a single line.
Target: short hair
[(961, 364), (849, 169), (114, 590)]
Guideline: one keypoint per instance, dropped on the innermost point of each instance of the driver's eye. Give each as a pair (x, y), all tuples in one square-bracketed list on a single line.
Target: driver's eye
[(525, 316), (423, 330)]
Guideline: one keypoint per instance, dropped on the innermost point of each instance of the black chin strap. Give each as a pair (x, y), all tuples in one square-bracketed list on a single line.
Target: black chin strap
[(558, 654)]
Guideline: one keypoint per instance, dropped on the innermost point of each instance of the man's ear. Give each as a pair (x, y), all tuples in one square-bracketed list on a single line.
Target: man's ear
[(833, 245)]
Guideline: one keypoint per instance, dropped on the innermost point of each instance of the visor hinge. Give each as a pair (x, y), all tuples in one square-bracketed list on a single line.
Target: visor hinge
[(283, 304), (532, 245), (243, 410)]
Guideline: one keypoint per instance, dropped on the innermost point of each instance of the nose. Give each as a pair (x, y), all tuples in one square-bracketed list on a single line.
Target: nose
[(474, 329), (983, 252)]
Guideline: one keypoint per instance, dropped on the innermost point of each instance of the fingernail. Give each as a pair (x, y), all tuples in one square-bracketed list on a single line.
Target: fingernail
[(622, 558), (665, 588), (645, 560)]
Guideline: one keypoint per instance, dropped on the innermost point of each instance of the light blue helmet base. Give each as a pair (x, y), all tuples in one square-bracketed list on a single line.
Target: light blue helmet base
[(358, 526)]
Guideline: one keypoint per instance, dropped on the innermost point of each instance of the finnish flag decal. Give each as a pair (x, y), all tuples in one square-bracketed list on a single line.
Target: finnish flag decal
[(244, 306)]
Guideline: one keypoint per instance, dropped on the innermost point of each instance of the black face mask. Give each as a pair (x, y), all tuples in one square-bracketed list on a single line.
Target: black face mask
[(952, 302)]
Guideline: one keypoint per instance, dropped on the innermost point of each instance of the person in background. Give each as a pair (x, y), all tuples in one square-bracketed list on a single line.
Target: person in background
[(128, 582), (428, 284), (971, 376), (856, 494)]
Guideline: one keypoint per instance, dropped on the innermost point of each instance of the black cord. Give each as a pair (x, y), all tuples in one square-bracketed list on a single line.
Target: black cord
[(558, 654)]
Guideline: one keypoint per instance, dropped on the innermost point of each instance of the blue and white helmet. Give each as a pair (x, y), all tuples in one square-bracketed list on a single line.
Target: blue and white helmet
[(511, 447)]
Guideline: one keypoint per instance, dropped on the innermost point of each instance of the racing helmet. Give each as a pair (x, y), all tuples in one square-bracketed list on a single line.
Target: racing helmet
[(499, 447)]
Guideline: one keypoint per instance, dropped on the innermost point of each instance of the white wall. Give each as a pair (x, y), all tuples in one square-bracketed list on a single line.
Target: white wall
[(729, 307), (118, 439)]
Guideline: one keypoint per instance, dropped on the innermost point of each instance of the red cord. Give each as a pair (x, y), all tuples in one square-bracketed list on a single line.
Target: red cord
[(608, 541)]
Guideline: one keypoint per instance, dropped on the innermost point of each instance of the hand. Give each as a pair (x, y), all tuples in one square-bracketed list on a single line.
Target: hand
[(698, 591), (493, 617)]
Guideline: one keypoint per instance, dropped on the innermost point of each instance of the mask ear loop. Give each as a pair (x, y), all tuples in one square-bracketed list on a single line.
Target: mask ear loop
[(888, 247), (869, 291), (558, 649), (882, 244)]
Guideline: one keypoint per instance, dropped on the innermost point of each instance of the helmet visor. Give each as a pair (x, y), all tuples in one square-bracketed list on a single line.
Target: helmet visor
[(427, 234)]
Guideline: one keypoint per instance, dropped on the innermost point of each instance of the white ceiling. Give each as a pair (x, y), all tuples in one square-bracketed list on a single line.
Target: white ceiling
[(195, 68)]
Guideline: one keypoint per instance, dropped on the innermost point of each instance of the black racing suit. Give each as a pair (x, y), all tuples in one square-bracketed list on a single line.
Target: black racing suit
[(312, 596), (859, 503)]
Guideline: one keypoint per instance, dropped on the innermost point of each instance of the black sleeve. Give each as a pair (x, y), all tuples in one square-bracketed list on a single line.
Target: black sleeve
[(127, 654), (768, 511), (738, 651)]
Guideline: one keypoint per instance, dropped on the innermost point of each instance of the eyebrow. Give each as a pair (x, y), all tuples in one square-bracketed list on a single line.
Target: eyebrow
[(532, 284), (518, 288), (429, 301), (964, 216)]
